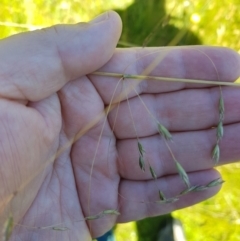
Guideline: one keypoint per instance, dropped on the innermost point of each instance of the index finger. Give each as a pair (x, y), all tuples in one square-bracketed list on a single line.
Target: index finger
[(195, 62)]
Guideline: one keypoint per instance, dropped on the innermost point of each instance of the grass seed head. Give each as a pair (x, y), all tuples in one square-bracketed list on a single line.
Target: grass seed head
[(111, 212), (215, 182), (60, 228), (141, 163), (154, 176), (92, 217), (187, 190), (216, 154), (221, 106), (182, 174), (8, 228), (161, 195), (140, 148), (102, 214), (200, 188), (164, 132), (169, 200), (220, 130)]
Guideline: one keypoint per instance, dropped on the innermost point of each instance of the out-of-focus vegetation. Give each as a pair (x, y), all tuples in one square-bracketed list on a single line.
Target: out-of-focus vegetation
[(214, 22), (186, 22), (17, 16), (219, 217)]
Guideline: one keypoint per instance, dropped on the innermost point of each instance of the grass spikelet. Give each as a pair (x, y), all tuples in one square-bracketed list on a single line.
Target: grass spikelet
[(60, 228), (102, 214), (216, 154), (140, 148), (164, 132), (169, 200), (220, 130), (141, 163), (8, 228), (216, 149), (200, 188), (154, 176), (182, 174), (141, 159), (161, 195), (221, 106), (215, 182), (92, 217), (187, 190), (111, 212)]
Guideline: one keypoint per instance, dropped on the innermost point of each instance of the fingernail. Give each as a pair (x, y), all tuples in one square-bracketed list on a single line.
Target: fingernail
[(100, 18)]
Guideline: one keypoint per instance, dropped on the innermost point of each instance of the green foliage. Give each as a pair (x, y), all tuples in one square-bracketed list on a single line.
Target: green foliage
[(217, 218), (214, 22), (126, 231), (145, 17), (148, 229), (18, 16)]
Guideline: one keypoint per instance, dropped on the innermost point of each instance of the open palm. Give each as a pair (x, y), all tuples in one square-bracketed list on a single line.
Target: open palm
[(60, 160)]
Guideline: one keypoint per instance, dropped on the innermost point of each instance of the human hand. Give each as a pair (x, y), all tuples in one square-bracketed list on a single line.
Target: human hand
[(56, 171)]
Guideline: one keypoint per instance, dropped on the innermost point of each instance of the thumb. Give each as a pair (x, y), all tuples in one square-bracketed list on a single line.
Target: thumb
[(36, 64)]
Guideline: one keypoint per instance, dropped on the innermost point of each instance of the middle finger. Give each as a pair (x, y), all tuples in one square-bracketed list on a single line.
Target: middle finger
[(185, 110), (192, 149)]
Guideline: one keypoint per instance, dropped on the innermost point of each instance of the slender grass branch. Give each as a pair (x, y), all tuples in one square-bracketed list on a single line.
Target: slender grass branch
[(97, 147), (148, 77)]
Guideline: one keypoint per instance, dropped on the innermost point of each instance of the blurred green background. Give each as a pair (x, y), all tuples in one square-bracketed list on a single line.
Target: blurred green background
[(155, 23)]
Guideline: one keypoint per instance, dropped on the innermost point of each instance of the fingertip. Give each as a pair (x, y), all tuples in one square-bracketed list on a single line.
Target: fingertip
[(109, 15), (114, 16), (114, 22), (117, 21), (233, 58), (229, 60)]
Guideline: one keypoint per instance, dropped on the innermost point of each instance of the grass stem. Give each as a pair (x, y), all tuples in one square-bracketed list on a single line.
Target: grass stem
[(141, 77)]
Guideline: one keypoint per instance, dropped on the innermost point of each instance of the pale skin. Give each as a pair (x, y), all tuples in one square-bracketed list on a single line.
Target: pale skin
[(48, 96)]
